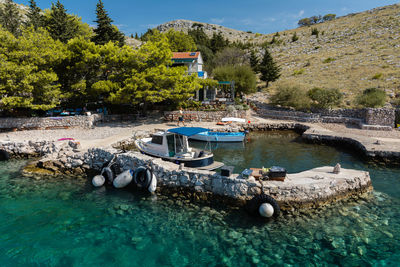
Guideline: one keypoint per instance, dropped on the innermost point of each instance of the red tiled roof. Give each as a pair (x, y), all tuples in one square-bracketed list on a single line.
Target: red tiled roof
[(182, 55)]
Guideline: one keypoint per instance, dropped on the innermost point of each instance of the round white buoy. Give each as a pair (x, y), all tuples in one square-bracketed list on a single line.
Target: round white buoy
[(266, 210), (98, 180), (153, 184), (123, 179)]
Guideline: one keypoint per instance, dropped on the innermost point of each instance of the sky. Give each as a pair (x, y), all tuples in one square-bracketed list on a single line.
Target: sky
[(263, 16)]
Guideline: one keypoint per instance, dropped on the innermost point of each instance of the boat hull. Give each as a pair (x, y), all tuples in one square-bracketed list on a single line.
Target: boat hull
[(204, 161)]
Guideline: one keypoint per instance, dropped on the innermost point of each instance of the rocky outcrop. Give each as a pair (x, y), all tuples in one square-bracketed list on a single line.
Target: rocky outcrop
[(208, 28), (29, 149)]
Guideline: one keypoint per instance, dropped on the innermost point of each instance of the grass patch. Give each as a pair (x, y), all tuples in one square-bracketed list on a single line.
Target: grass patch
[(298, 72), (377, 76), (328, 60)]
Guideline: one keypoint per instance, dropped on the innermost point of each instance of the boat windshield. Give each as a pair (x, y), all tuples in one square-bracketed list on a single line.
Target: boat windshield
[(180, 147), (176, 144), (157, 139), (171, 145)]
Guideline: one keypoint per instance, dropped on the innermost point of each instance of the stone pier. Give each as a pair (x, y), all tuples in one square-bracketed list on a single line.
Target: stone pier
[(305, 190)]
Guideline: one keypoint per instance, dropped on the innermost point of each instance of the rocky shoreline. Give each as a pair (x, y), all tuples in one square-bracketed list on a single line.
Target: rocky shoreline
[(317, 187)]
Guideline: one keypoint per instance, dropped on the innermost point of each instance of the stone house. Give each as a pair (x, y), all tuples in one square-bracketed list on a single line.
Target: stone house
[(194, 63)]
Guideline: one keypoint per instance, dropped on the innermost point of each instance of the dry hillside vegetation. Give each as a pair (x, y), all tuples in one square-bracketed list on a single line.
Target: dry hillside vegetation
[(351, 53)]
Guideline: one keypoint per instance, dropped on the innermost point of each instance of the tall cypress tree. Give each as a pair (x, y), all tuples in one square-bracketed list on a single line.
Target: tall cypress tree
[(268, 68), (60, 25), (105, 31), (34, 15), (10, 17)]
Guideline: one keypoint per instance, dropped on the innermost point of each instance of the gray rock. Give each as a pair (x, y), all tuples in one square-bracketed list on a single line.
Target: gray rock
[(336, 169)]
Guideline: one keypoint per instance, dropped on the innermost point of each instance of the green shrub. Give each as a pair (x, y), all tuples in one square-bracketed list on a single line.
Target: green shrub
[(371, 98), (191, 105), (328, 60), (298, 72), (314, 31), (239, 107), (377, 76), (325, 98), (231, 108), (294, 37), (291, 96)]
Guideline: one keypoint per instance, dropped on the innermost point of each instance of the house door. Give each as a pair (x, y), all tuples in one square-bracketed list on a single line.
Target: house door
[(201, 95)]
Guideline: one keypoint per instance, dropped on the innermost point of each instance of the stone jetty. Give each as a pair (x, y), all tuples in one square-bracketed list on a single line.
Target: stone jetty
[(309, 189)]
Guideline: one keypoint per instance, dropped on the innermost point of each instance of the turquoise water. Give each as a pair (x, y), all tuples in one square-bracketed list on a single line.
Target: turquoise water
[(66, 222)]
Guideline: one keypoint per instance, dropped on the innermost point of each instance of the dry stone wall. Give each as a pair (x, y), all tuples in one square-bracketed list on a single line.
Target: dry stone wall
[(200, 116), (367, 118), (50, 122)]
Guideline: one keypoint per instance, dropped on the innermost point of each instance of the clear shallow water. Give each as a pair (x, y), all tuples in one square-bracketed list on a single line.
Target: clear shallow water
[(65, 222)]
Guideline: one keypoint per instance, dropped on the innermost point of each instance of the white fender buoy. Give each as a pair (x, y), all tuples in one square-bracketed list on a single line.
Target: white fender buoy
[(153, 184), (123, 179), (266, 210), (98, 180)]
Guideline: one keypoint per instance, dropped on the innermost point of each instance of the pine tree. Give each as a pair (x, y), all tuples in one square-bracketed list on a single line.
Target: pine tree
[(105, 31), (10, 17), (254, 62), (60, 25), (218, 42), (34, 16), (268, 68)]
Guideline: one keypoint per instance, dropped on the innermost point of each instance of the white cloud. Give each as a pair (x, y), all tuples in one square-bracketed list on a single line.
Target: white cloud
[(121, 25), (149, 26), (269, 19), (247, 21), (301, 13), (217, 20)]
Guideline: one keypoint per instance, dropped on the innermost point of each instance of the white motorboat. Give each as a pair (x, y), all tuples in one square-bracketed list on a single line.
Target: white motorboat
[(210, 136), (172, 145)]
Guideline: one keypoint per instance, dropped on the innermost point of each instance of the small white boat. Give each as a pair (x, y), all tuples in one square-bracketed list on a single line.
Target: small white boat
[(210, 136), (173, 145), (233, 119)]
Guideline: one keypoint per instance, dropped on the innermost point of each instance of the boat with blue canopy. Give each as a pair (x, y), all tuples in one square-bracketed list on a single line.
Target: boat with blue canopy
[(210, 136), (172, 145)]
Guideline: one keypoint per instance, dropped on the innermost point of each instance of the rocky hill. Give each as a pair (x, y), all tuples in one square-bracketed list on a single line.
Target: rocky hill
[(209, 29), (351, 53)]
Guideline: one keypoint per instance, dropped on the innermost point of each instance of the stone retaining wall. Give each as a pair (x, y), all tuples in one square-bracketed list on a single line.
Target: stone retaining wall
[(205, 115), (383, 117), (50, 122)]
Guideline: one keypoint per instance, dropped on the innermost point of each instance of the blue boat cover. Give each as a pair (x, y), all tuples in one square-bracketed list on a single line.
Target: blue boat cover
[(188, 131)]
